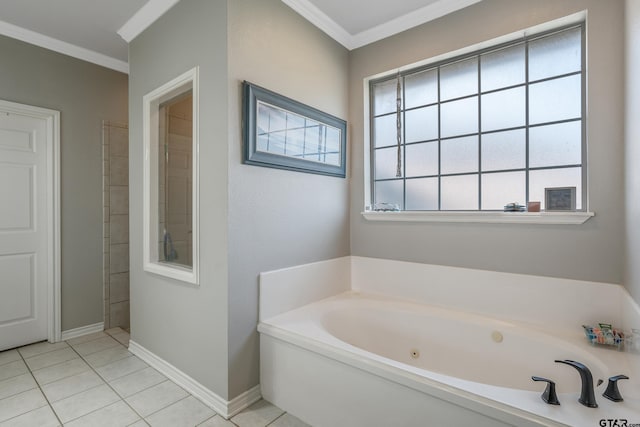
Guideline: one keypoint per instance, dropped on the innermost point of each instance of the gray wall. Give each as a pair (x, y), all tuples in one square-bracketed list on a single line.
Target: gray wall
[(632, 154), (278, 218), (185, 325), (85, 94), (593, 251)]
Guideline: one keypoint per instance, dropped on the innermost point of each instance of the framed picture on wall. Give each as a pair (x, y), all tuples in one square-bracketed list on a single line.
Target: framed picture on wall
[(560, 199), (286, 134)]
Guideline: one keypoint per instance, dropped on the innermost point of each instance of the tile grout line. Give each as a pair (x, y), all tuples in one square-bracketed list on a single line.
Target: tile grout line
[(55, 414), (276, 419), (108, 384)]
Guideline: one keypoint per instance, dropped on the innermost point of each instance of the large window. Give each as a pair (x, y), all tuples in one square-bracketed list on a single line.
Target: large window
[(482, 130)]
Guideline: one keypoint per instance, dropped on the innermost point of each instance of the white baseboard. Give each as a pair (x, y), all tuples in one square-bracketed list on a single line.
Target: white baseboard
[(223, 407), (83, 330)]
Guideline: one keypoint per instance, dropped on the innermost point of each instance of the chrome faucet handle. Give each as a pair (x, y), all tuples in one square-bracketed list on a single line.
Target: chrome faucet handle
[(549, 395), (612, 392)]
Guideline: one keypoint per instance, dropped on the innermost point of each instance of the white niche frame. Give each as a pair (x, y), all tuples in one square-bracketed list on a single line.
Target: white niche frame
[(151, 103)]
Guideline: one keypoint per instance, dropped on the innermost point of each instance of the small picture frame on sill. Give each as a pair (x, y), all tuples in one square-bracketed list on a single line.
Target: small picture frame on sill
[(560, 199)]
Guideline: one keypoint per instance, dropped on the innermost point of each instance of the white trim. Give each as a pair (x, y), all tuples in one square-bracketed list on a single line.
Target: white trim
[(402, 23), (413, 19), (151, 101), (60, 46), (225, 408), (321, 20), (52, 118), (144, 17), (572, 218), (82, 330)]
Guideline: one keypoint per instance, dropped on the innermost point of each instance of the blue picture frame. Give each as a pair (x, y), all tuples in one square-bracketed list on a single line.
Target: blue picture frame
[(279, 132)]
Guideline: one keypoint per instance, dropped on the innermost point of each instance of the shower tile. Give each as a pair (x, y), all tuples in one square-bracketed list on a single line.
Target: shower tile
[(119, 258), (119, 200), (119, 287), (119, 229), (119, 314), (119, 173), (119, 142)]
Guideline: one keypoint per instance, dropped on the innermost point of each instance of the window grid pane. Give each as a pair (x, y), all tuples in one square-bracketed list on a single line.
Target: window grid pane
[(513, 115)]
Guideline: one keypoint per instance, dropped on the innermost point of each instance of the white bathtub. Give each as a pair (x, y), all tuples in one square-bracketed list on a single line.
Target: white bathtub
[(363, 360)]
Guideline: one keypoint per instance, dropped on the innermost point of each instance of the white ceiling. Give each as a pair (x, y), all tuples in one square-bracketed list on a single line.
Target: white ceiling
[(98, 30)]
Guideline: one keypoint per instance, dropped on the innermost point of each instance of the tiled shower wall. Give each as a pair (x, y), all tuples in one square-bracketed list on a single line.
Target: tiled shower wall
[(115, 178)]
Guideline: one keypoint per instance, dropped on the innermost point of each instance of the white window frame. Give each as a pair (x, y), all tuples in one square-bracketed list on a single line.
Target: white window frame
[(151, 103), (466, 216)]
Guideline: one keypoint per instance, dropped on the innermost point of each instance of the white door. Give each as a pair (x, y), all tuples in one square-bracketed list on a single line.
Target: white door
[(27, 270)]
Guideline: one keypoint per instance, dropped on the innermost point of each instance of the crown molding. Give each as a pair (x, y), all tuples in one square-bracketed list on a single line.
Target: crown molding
[(395, 26), (143, 18), (60, 46), (321, 20)]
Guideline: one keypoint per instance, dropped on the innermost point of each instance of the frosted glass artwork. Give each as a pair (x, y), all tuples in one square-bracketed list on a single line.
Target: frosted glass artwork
[(459, 79), (284, 133), (502, 68), (557, 99), (459, 155), (385, 130), (385, 97), (389, 192), (555, 55), (421, 159), (422, 194), (504, 150), (498, 189), (503, 109), (459, 192), (564, 177), (421, 124), (555, 145), (421, 89), (386, 163), (459, 117)]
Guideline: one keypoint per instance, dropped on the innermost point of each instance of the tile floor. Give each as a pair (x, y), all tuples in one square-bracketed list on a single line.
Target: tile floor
[(94, 381)]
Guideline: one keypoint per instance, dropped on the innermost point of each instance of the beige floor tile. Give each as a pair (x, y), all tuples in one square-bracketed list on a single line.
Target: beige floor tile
[(122, 338), (217, 421), (51, 358), (62, 370), (288, 420), (156, 398), (118, 414), (187, 412), (69, 386), (95, 346), (137, 381), (141, 423), (86, 338), (9, 356), (104, 357), (120, 368), (13, 369), (259, 414), (16, 385), (41, 417), (40, 348), (21, 404), (113, 331), (83, 403)]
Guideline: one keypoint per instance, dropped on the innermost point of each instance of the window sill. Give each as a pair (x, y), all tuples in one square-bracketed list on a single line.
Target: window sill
[(555, 218)]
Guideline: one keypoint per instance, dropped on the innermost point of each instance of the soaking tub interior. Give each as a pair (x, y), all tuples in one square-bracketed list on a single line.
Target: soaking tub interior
[(349, 353)]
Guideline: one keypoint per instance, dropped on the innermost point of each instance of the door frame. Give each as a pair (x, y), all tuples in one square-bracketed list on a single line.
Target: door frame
[(52, 118)]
